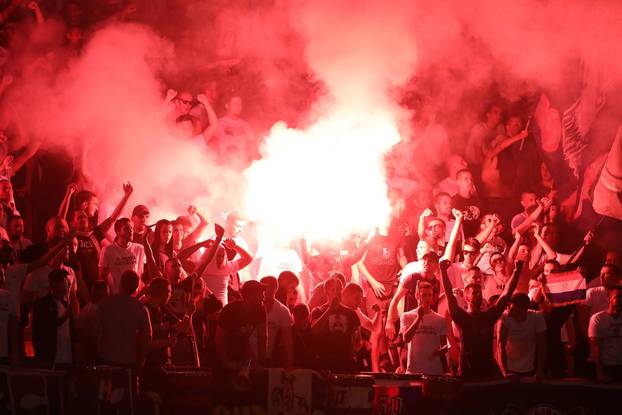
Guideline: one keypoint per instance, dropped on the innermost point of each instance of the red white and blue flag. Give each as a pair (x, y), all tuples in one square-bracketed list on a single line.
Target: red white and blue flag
[(565, 288)]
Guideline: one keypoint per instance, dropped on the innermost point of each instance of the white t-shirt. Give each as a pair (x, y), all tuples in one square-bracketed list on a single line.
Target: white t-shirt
[(63, 337), (424, 343), (521, 340), (597, 300), (609, 329), (118, 260), (15, 277), (277, 318), (37, 282), (8, 307), (217, 279)]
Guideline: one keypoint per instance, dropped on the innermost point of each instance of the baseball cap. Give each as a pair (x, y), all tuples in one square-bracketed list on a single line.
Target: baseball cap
[(140, 210)]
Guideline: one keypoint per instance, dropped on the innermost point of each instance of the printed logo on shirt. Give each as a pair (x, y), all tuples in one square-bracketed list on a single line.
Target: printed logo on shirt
[(337, 323), (129, 260)]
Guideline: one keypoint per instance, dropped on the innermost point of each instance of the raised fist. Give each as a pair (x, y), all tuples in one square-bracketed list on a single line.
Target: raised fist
[(127, 188)]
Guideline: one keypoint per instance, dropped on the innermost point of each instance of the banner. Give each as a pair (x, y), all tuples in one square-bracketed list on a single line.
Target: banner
[(565, 288), (290, 393)]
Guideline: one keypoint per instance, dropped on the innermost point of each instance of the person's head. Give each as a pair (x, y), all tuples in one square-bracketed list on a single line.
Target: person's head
[(528, 199), (435, 227), (513, 125), (493, 115), (234, 225), (473, 289), (610, 275), (159, 291), (198, 288), (129, 282), (524, 250), (124, 229), (352, 295), (423, 247), (551, 266), (424, 294), (301, 313), (271, 285), (292, 299), (15, 227), (186, 226), (80, 220), (442, 204), (519, 304), (613, 257), (615, 300), (6, 191), (487, 220), (173, 270), (497, 262), (87, 201), (234, 106), (454, 164), (99, 291), (59, 283), (470, 250), (183, 102), (464, 178), (163, 233), (7, 255), (429, 263), (179, 230), (550, 234), (288, 281), (332, 289), (56, 228), (140, 217), (252, 292)]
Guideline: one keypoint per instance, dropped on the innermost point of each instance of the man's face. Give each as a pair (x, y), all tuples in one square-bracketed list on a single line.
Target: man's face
[(473, 296), (57, 229), (6, 191), (333, 291), (469, 253), (523, 251), (429, 264), (92, 205), (549, 269), (488, 220), (549, 234), (497, 262), (178, 232), (465, 181), (127, 231), (234, 107), (353, 300), (183, 102), (166, 233), (435, 229), (608, 277), (234, 228), (612, 257), (140, 220), (443, 205), (16, 229), (425, 297), (528, 200), (493, 116), (80, 221)]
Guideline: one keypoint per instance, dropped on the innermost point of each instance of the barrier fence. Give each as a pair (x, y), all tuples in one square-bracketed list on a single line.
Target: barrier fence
[(110, 390)]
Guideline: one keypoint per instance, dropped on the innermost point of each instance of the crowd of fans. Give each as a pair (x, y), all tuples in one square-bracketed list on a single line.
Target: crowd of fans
[(456, 284)]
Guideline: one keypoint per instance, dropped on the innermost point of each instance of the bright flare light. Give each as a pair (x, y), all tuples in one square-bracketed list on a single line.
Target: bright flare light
[(325, 182)]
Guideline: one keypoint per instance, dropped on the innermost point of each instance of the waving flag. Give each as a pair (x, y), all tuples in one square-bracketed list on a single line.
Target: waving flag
[(565, 288)]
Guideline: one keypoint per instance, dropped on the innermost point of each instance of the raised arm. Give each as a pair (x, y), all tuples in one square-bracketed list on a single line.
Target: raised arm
[(194, 236), (32, 5), (485, 234), (209, 132), (209, 255), (63, 209), (421, 226), (107, 223), (450, 250), (452, 303), (587, 239), (543, 205), (505, 296), (548, 250), (513, 250), (498, 149), (26, 154)]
